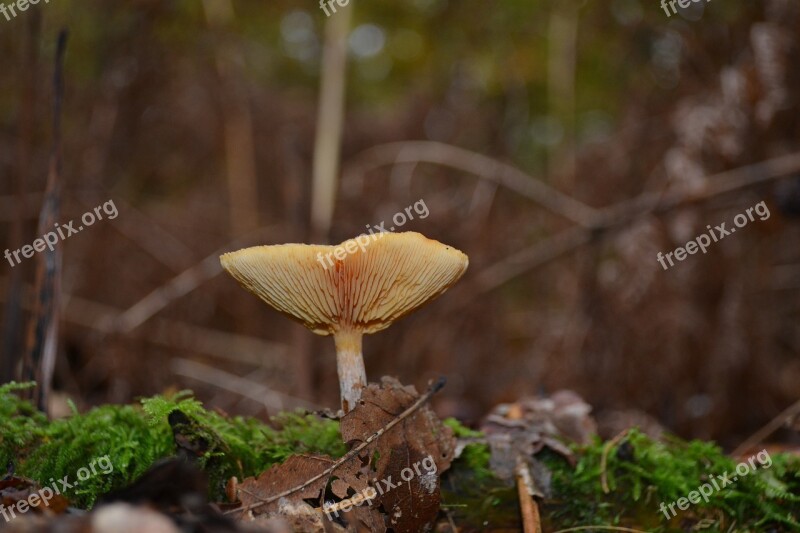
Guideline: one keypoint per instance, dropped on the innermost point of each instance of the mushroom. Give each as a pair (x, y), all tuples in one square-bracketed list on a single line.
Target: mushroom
[(360, 286)]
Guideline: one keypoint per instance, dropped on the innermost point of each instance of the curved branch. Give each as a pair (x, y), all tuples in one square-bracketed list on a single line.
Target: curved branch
[(480, 165), (179, 286), (623, 213)]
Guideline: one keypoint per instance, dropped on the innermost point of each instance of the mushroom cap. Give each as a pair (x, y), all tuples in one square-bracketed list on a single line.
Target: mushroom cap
[(363, 284)]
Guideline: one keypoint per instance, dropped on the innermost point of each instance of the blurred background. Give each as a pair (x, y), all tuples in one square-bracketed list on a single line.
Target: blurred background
[(560, 144)]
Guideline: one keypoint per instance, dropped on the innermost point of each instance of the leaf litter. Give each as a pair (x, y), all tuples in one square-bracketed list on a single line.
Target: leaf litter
[(389, 479)]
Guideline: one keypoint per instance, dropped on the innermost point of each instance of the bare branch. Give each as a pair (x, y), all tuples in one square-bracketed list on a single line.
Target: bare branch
[(623, 213), (170, 333), (180, 285), (480, 165), (271, 399)]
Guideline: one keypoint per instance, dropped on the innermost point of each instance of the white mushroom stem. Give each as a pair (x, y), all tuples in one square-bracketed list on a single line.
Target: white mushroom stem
[(350, 364)]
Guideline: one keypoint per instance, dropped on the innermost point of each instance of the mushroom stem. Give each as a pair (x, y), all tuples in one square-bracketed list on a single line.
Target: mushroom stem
[(350, 364)]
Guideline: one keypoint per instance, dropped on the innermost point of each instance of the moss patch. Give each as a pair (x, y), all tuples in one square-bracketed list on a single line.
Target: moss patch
[(133, 437), (641, 473)]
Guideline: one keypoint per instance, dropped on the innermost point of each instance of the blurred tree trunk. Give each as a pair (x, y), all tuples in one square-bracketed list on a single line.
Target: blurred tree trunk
[(330, 123), (561, 61), (240, 154), (10, 354)]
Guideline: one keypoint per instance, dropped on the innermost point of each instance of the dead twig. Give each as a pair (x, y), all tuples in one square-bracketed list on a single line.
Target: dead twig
[(768, 429), (604, 459), (42, 341), (623, 213), (453, 527), (142, 230), (531, 521), (433, 389), (604, 528), (180, 285), (170, 333), (479, 165), (271, 399)]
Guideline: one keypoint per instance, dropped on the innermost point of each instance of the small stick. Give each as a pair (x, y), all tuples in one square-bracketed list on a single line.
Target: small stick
[(768, 429), (531, 521), (604, 528), (453, 527), (433, 389)]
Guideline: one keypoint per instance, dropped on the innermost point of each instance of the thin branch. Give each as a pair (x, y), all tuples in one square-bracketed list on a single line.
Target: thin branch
[(433, 389), (718, 184), (169, 333), (531, 521), (768, 429), (180, 285), (271, 399), (136, 226), (528, 258), (42, 341), (604, 459), (623, 213), (604, 528), (480, 165), (453, 527), (145, 232)]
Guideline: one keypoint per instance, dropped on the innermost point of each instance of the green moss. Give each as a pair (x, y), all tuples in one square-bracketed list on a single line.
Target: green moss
[(243, 447), (475, 457), (120, 433), (643, 473), (20, 422), (471, 494), (460, 430), (133, 437)]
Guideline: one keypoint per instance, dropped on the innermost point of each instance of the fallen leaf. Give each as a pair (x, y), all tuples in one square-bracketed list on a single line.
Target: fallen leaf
[(408, 459), (307, 508)]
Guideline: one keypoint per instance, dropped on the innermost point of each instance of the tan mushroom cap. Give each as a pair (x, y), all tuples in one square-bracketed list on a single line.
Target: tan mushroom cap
[(375, 280)]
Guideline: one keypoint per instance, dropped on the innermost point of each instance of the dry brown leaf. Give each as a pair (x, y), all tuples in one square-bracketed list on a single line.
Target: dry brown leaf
[(390, 478), (14, 490), (305, 509), (408, 459)]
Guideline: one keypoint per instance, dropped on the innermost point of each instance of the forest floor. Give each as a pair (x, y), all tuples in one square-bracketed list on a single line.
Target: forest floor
[(388, 465)]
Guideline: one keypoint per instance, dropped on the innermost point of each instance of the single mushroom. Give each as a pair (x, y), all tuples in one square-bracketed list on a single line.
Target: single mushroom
[(360, 286)]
